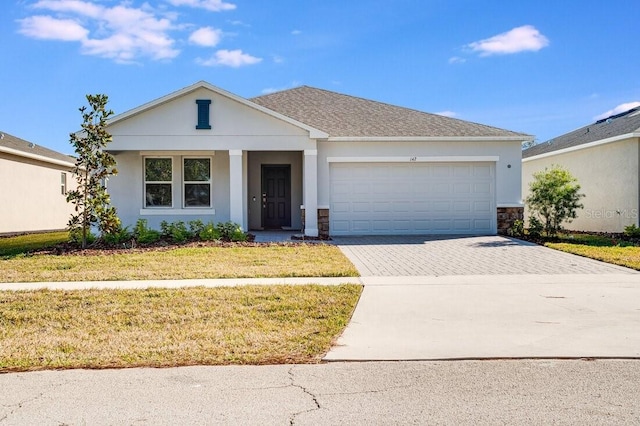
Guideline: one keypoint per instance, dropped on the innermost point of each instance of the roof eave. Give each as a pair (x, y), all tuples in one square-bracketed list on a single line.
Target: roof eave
[(42, 158), (582, 146), (519, 138)]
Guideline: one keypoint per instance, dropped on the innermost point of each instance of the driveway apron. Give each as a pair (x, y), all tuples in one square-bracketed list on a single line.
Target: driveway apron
[(485, 297)]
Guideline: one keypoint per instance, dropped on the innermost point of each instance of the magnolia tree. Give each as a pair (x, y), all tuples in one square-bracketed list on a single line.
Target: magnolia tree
[(93, 167), (554, 198)]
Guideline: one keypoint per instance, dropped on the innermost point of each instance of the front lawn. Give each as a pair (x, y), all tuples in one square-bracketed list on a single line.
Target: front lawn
[(186, 262), (622, 255), (171, 327)]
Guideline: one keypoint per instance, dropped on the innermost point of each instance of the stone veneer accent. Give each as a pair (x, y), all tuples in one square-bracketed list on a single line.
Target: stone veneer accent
[(507, 216), (323, 222)]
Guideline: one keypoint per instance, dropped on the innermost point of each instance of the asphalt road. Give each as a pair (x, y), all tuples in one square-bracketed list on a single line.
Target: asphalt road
[(562, 392)]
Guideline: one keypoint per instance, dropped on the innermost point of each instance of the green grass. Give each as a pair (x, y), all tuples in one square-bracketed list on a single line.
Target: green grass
[(171, 327), (628, 256), (13, 246), (592, 240), (262, 261)]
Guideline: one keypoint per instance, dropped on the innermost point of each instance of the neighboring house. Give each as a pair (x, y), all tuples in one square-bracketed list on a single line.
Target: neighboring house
[(33, 185), (604, 157), (312, 160)]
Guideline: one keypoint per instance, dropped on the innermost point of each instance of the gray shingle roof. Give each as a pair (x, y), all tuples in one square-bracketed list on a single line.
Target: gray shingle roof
[(342, 115), (22, 145), (616, 125)]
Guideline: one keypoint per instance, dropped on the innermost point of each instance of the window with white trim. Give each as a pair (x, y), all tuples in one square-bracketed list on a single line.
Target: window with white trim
[(158, 182), (196, 179), (63, 183)]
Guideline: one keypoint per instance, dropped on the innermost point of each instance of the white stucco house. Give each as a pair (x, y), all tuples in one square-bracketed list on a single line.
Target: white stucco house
[(34, 181), (604, 156), (312, 160)]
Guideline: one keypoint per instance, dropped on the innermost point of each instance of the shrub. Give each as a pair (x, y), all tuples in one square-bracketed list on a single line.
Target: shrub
[(632, 231), (176, 231), (209, 232), (230, 231), (554, 198), (517, 229), (535, 227), (196, 227), (117, 236), (143, 234), (75, 237)]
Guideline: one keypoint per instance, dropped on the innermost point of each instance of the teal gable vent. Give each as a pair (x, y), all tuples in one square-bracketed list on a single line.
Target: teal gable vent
[(203, 113)]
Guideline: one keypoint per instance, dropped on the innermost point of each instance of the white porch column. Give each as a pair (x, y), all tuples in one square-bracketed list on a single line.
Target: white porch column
[(311, 192), (236, 213)]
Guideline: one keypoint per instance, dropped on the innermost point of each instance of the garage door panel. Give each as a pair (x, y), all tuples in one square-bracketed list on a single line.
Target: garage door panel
[(482, 207), (441, 188), (462, 206), (483, 170), (410, 198), (441, 206), (420, 206), (381, 225), (381, 207), (462, 188)]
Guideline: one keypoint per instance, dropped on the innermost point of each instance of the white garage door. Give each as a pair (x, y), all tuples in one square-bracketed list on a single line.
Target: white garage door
[(412, 198)]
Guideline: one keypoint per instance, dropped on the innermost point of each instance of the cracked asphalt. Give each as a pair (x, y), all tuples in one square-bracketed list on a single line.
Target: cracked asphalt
[(559, 392)]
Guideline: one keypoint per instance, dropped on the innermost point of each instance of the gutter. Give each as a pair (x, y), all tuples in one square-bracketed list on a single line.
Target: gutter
[(583, 146), (36, 157)]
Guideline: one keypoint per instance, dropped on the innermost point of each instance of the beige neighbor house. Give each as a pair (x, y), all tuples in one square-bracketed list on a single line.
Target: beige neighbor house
[(33, 184), (312, 160), (604, 157)]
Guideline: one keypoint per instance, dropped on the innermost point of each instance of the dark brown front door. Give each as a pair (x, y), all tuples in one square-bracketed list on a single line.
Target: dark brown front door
[(276, 196)]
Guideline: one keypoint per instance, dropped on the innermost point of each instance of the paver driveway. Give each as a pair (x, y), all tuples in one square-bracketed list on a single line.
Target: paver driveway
[(485, 297), (485, 255)]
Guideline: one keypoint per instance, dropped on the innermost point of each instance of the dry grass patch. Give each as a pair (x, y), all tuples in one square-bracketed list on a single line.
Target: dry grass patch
[(171, 327), (288, 260), (624, 256)]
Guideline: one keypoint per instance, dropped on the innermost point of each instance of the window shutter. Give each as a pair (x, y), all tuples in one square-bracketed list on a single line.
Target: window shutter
[(203, 113)]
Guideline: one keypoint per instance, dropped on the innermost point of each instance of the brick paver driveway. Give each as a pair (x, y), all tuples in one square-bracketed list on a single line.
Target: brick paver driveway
[(485, 255)]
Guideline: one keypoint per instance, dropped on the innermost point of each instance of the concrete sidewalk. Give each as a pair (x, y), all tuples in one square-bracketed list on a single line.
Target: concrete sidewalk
[(494, 316)]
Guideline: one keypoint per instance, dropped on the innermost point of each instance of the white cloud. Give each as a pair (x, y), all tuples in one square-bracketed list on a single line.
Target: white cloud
[(296, 32), (457, 60), (47, 27), (78, 7), (269, 90), (520, 39), (447, 113), (617, 110), (120, 32), (206, 36), (211, 5), (229, 58)]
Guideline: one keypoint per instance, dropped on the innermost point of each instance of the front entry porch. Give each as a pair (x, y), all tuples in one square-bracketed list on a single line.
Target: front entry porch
[(269, 189)]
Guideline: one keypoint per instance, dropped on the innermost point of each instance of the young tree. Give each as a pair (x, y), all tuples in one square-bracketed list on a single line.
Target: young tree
[(93, 166), (554, 198)]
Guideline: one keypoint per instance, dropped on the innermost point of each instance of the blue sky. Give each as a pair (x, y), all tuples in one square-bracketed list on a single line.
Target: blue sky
[(543, 68)]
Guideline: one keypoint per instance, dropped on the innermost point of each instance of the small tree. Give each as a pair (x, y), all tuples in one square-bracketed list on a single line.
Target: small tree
[(554, 198), (93, 167)]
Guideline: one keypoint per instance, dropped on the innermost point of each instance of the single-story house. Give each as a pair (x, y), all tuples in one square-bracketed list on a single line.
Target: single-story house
[(312, 160), (33, 187), (604, 157)]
